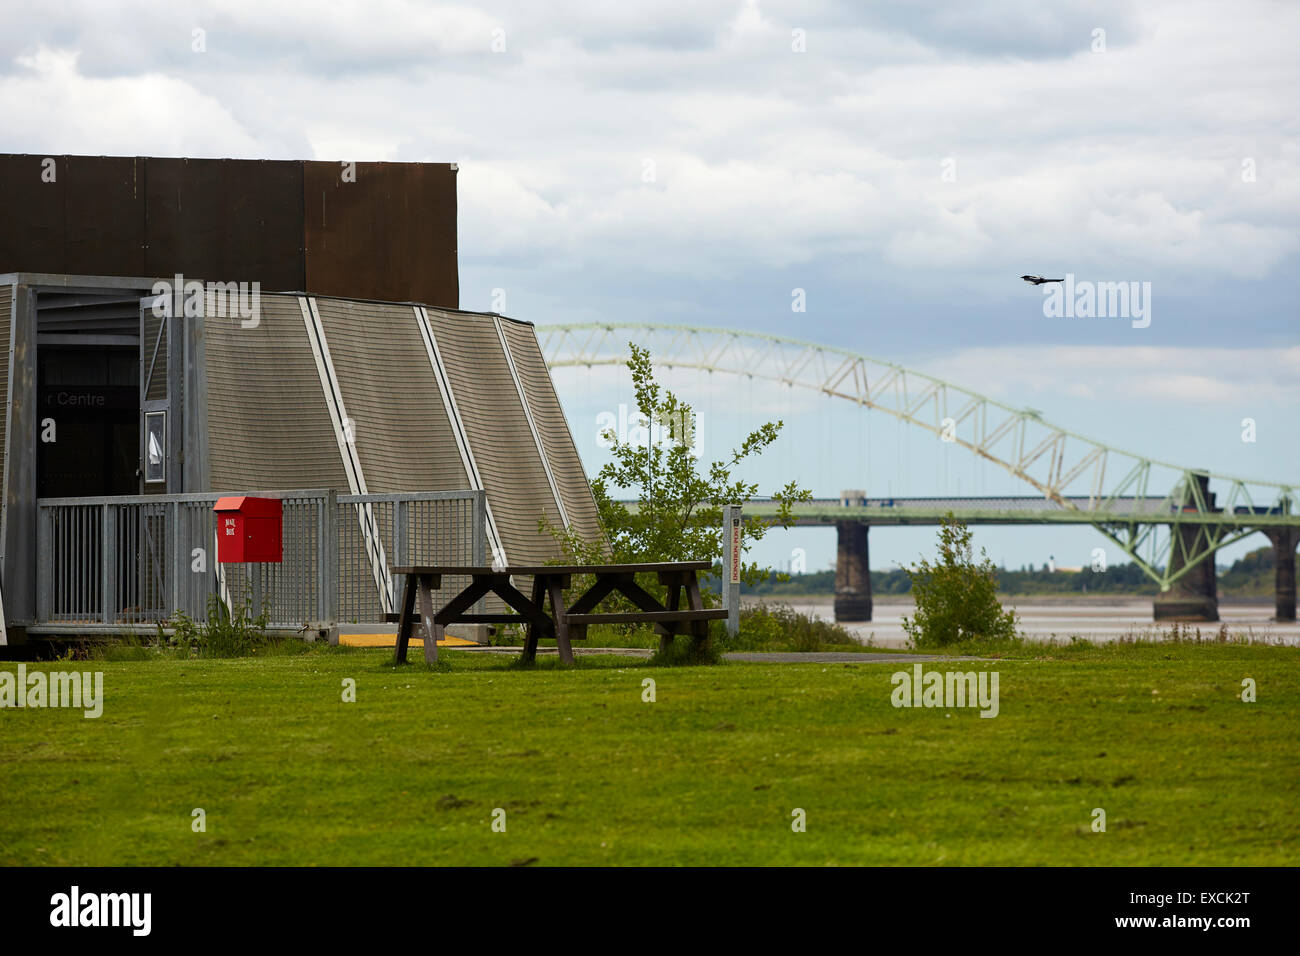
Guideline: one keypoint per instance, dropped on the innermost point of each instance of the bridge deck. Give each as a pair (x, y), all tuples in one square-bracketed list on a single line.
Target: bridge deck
[(1022, 510), (1011, 510)]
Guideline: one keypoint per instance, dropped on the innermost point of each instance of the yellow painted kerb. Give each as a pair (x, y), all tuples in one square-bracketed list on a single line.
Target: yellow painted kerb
[(390, 640)]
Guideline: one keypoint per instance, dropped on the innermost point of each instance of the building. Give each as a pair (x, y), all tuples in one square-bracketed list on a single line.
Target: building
[(239, 366)]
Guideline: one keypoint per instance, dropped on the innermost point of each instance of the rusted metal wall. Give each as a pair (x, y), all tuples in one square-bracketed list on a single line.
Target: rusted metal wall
[(382, 231), (225, 220), (89, 220), (6, 310), (386, 232)]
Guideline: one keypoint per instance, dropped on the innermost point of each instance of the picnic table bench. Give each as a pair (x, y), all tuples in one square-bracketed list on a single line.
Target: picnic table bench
[(567, 621)]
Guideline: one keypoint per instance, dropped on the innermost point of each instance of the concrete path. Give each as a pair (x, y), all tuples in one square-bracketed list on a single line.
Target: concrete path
[(749, 657), (836, 657)]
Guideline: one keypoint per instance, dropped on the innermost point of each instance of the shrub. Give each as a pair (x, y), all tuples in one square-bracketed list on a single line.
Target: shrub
[(779, 627), (227, 632), (956, 598)]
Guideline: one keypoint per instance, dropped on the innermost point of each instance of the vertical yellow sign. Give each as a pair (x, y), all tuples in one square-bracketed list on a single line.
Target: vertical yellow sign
[(735, 551)]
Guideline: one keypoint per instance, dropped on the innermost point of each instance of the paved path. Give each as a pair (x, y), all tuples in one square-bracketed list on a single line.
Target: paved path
[(749, 657), (835, 657)]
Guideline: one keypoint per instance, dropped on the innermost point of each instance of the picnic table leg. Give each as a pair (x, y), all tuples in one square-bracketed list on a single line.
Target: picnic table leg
[(674, 596), (556, 587), (699, 629), (407, 621), (432, 629), (531, 635)]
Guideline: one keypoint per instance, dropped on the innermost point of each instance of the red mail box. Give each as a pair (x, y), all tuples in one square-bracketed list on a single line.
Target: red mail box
[(249, 529)]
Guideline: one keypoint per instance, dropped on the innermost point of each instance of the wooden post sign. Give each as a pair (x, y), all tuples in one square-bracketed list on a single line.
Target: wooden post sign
[(734, 545), (731, 566)]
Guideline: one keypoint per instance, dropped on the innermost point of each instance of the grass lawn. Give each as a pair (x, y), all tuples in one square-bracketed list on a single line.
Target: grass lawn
[(710, 773)]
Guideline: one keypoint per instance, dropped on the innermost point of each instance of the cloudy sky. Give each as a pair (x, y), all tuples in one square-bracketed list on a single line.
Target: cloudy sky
[(695, 162)]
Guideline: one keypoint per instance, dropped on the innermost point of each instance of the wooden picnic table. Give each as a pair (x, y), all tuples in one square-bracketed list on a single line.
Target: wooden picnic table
[(568, 621)]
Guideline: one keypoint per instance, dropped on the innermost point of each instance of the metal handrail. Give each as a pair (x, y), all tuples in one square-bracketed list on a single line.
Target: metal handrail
[(120, 561)]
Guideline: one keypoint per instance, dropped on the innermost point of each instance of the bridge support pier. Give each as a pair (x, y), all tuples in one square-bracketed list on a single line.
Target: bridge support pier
[(1284, 542), (1194, 596), (852, 573)]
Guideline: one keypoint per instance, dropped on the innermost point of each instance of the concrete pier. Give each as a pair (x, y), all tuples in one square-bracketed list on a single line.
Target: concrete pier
[(1194, 596), (1284, 543), (852, 567)]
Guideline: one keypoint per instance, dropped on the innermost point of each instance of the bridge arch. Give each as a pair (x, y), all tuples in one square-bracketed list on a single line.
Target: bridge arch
[(1196, 512)]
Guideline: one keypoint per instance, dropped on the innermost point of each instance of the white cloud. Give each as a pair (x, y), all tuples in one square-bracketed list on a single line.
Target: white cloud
[(56, 109), (1163, 375), (1125, 164)]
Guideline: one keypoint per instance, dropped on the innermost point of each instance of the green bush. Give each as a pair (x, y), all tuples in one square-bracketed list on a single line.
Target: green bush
[(956, 598), (227, 632), (779, 627)]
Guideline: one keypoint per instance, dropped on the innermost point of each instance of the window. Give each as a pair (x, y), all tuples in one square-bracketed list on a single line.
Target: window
[(155, 447)]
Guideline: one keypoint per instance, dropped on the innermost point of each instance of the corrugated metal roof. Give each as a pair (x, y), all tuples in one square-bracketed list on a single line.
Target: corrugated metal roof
[(402, 434), (268, 426), (557, 441), (497, 429)]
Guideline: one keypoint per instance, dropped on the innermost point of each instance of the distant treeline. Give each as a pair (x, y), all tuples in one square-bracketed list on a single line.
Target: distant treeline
[(1250, 576)]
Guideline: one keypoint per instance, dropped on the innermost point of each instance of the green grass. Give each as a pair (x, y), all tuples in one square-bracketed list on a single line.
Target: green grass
[(708, 774), (763, 627)]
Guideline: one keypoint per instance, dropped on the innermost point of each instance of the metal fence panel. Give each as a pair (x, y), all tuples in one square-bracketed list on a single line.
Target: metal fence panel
[(138, 560)]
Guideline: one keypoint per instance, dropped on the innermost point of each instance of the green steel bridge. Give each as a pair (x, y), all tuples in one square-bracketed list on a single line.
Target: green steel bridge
[(1168, 518)]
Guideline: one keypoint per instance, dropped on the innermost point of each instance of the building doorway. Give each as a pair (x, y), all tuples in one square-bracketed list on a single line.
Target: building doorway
[(89, 401)]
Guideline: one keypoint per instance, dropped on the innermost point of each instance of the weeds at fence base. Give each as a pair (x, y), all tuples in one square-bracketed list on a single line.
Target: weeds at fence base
[(228, 631)]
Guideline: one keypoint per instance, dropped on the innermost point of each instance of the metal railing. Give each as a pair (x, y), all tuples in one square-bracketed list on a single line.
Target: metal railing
[(114, 563), (378, 532)]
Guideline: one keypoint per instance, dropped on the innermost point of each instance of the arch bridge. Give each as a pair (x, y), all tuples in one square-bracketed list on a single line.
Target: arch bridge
[(1168, 518)]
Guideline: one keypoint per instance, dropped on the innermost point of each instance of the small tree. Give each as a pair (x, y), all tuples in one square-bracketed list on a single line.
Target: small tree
[(678, 515), (956, 599)]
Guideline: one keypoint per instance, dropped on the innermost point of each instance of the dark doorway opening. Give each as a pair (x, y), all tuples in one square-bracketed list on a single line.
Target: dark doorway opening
[(89, 436)]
